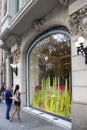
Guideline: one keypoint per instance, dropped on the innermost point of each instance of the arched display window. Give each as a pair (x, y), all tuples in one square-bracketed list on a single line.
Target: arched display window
[(49, 73)]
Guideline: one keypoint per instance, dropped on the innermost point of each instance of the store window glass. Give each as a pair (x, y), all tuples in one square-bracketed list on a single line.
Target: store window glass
[(16, 6), (50, 75), (24, 1)]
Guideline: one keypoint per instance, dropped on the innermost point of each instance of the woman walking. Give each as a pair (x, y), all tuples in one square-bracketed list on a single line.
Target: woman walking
[(17, 103)]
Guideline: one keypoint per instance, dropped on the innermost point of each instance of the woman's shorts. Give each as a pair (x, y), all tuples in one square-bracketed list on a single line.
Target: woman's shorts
[(17, 103)]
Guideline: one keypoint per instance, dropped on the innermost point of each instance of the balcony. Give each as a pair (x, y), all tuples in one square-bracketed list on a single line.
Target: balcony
[(31, 11)]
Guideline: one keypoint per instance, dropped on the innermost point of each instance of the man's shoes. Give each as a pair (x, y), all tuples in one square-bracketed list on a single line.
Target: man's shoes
[(7, 118)]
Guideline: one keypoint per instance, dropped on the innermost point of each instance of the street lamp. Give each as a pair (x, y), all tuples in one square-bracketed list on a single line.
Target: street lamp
[(14, 68), (81, 48)]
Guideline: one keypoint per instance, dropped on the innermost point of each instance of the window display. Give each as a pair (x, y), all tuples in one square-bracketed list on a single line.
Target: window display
[(50, 75)]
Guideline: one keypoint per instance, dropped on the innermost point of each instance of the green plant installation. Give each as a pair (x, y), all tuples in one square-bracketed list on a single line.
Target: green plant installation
[(54, 99)]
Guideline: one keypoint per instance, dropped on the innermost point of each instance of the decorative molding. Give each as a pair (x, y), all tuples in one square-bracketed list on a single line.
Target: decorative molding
[(66, 2), (78, 22), (5, 7), (15, 53), (11, 40), (16, 56), (39, 23), (2, 67)]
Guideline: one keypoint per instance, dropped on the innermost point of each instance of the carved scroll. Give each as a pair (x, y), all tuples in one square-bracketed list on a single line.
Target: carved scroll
[(78, 21), (66, 2), (39, 23)]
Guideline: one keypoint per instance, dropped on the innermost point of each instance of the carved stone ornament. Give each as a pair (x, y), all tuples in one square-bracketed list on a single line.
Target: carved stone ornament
[(5, 7), (16, 56), (78, 22), (39, 23), (12, 39), (66, 2)]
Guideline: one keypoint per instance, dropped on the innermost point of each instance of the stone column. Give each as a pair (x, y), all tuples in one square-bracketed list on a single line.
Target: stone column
[(4, 68), (77, 12), (9, 76), (0, 68)]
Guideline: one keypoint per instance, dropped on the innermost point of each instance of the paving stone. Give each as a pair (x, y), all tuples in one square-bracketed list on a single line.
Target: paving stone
[(29, 122)]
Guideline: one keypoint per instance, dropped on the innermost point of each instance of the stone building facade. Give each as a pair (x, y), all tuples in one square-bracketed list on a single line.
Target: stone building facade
[(39, 39), (2, 55)]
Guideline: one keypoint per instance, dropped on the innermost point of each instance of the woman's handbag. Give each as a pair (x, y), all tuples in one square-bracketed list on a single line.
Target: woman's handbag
[(15, 98)]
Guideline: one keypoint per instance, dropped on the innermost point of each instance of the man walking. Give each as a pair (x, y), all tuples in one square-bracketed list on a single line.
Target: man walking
[(8, 99)]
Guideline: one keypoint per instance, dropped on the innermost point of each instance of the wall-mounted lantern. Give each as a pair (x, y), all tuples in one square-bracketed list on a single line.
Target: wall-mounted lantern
[(14, 68), (81, 48)]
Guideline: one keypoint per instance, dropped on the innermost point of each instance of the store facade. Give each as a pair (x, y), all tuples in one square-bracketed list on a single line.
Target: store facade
[(41, 44), (49, 72)]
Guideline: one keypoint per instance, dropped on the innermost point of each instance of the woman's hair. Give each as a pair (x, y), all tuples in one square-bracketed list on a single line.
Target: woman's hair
[(16, 88)]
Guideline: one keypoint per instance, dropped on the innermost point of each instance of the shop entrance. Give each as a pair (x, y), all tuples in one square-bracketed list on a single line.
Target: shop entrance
[(49, 87)]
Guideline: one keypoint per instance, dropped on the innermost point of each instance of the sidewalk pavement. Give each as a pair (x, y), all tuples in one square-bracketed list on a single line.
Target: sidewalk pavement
[(29, 122)]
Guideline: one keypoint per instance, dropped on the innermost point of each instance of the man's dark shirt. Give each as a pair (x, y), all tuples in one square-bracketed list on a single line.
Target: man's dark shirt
[(7, 96)]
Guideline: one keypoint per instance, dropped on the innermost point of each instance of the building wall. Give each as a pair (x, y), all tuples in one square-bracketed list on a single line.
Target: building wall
[(79, 89), (79, 72), (0, 68), (0, 49), (60, 16), (54, 18)]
